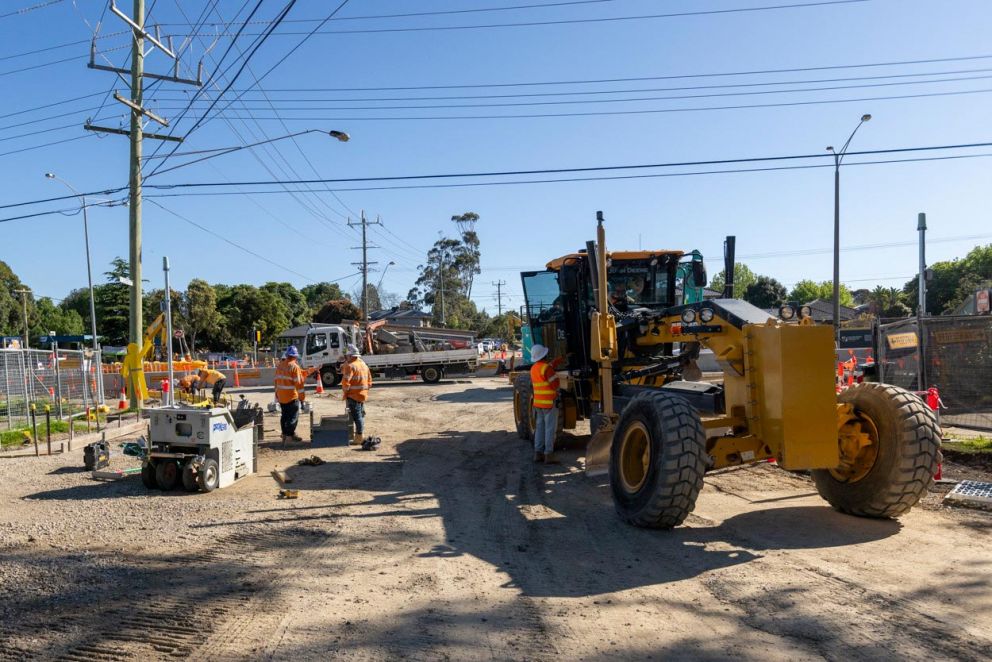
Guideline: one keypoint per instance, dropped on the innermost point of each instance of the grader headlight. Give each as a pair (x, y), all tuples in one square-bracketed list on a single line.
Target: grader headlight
[(786, 312), (688, 316), (805, 311), (706, 315)]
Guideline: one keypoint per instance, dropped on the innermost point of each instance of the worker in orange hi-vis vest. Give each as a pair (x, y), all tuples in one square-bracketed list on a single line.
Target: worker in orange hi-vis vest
[(212, 378), (546, 383), (356, 380), (289, 382)]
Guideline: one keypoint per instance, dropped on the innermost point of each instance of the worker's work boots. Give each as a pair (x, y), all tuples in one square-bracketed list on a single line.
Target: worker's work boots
[(356, 439)]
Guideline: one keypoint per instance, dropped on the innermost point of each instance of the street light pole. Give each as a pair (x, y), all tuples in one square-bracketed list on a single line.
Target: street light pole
[(378, 287), (24, 292), (838, 157)]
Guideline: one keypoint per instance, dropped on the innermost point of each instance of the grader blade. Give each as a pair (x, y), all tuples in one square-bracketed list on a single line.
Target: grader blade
[(598, 452)]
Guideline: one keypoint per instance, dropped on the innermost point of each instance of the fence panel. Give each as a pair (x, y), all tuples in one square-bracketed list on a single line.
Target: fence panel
[(958, 353), (67, 381)]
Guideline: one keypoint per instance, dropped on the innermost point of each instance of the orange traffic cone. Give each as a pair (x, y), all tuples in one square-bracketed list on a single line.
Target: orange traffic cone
[(320, 384), (122, 403), (237, 380)]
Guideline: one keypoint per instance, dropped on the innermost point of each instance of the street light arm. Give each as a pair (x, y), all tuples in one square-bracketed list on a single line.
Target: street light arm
[(843, 150), (339, 135)]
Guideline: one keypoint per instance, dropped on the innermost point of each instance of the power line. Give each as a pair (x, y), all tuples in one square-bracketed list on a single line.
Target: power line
[(232, 243), (516, 104), (641, 166), (575, 21), (25, 10), (48, 144), (296, 99), (547, 171), (651, 111), (607, 178)]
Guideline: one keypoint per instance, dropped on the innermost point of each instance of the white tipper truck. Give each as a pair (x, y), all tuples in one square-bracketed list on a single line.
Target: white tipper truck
[(322, 346)]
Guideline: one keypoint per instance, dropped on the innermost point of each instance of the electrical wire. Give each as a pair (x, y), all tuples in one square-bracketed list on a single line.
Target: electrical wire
[(577, 21), (25, 10), (232, 243), (48, 144), (650, 111)]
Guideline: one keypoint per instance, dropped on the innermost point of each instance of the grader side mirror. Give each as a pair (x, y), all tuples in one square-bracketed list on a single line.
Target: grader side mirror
[(698, 273)]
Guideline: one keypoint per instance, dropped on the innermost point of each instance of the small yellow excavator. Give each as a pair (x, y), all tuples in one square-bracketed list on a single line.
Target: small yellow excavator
[(629, 343)]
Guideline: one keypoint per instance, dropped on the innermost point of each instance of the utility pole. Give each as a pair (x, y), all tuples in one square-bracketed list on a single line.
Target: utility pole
[(136, 134), (921, 306), (499, 296), (24, 302), (364, 264)]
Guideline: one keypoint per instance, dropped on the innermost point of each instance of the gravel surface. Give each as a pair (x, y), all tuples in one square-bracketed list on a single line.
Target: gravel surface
[(448, 543)]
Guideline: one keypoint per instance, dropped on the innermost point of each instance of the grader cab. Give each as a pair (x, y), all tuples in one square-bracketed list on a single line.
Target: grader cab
[(627, 343)]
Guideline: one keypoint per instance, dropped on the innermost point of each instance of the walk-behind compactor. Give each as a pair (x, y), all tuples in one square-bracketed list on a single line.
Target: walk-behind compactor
[(201, 448), (627, 338)]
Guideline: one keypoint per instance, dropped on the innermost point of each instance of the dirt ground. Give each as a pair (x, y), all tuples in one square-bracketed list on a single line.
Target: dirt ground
[(449, 544)]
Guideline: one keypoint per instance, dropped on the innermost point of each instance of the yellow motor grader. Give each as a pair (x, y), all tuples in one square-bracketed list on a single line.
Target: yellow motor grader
[(628, 346)]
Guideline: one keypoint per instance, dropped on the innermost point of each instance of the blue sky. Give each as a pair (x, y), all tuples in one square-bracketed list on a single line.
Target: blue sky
[(522, 226)]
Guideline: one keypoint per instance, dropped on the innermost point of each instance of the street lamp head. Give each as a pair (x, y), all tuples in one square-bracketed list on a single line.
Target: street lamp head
[(340, 135), (865, 117), (391, 264), (50, 175), (830, 148)]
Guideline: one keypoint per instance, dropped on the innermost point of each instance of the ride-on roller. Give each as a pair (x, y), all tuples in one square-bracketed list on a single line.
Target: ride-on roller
[(202, 449), (629, 338)]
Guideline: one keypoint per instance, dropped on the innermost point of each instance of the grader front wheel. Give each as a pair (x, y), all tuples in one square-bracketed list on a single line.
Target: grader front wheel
[(889, 450), (523, 399), (657, 460)]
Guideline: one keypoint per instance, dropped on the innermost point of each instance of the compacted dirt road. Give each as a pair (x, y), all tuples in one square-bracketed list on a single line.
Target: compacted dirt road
[(448, 543)]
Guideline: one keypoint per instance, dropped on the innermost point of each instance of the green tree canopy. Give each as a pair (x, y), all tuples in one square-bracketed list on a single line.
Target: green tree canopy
[(743, 278), (296, 307), (318, 294), (765, 292), (887, 302), (808, 290), (11, 311), (953, 281), (246, 307), (200, 314), (50, 318)]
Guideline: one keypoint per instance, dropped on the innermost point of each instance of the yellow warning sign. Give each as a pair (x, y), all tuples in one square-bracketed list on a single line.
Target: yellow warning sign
[(960, 335), (901, 340)]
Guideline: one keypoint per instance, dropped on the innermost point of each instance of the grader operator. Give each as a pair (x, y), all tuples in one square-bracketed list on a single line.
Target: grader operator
[(617, 318)]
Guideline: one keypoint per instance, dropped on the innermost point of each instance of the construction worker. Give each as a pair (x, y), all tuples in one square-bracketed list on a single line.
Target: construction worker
[(214, 378), (289, 382), (546, 383), (356, 380)]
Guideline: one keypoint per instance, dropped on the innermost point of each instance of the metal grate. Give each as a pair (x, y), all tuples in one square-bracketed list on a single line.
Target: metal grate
[(971, 493)]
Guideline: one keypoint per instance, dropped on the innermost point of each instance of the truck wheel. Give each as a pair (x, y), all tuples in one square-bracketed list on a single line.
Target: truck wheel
[(657, 460), (189, 478), (889, 451), (148, 476), (330, 377), (209, 475), (523, 398), (431, 374), (167, 475)]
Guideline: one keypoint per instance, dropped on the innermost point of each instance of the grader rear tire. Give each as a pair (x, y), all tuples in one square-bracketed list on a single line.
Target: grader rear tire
[(657, 460), (523, 398), (889, 475)]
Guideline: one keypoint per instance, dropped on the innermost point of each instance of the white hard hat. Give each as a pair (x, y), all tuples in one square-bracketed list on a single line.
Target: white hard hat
[(538, 352), (351, 350)]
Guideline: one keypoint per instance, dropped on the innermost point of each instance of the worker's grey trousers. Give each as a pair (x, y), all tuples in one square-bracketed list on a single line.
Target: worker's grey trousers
[(545, 429)]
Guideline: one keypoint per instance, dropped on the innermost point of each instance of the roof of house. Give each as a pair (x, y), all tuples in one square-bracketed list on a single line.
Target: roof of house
[(823, 309)]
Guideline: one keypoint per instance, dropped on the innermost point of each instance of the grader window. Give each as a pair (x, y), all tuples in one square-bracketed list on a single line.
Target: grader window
[(543, 296)]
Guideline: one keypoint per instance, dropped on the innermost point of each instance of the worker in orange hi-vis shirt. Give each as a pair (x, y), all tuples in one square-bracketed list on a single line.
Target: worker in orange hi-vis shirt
[(289, 382), (356, 380), (546, 383)]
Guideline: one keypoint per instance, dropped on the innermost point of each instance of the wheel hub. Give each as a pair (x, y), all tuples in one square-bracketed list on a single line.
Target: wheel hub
[(858, 439), (635, 457)]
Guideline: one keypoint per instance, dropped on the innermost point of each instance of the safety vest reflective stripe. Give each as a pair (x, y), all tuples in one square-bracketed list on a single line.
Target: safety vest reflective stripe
[(542, 376)]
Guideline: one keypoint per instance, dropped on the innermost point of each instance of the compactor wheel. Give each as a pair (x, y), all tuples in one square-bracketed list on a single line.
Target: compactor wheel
[(523, 411), (657, 460), (889, 451), (209, 475), (190, 483), (148, 476), (167, 474)]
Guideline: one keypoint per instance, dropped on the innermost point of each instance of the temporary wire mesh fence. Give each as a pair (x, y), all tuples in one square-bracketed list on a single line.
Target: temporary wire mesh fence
[(65, 381), (957, 359)]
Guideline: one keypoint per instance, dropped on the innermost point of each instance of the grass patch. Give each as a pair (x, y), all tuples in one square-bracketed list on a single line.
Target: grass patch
[(976, 445), (16, 436)]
